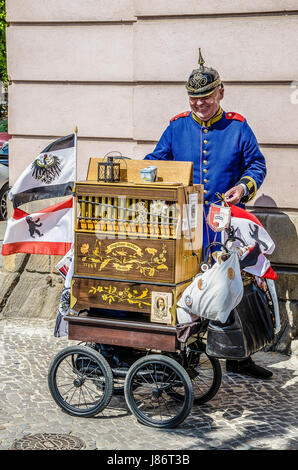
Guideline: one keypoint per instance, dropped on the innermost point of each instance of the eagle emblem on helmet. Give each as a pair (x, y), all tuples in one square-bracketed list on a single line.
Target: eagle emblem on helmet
[(46, 167)]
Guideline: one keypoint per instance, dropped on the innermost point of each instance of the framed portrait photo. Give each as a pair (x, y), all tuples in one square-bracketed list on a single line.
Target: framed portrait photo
[(160, 307)]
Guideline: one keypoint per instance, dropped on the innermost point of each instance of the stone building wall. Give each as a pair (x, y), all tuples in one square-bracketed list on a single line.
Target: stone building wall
[(117, 68)]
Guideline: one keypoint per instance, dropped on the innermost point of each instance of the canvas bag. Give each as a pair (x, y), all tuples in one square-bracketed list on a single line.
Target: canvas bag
[(215, 293)]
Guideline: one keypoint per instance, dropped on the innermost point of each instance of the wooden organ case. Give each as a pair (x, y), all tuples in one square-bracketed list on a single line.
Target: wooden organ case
[(137, 247)]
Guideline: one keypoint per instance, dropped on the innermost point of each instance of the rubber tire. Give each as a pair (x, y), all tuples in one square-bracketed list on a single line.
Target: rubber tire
[(3, 190), (95, 357), (188, 397)]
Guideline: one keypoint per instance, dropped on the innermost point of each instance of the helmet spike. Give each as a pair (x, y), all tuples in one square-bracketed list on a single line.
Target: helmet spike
[(201, 61)]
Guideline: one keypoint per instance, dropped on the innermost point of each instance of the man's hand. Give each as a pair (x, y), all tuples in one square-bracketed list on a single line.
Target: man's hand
[(234, 195)]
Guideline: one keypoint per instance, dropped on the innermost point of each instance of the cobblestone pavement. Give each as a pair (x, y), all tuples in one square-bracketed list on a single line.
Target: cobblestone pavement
[(245, 414)]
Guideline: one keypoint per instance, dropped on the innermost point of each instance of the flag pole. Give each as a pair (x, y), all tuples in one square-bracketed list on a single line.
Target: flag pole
[(76, 176), (76, 138)]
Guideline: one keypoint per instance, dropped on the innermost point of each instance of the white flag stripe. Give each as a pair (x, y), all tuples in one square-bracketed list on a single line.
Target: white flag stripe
[(51, 174), (26, 181), (252, 233), (49, 231), (260, 268), (55, 226)]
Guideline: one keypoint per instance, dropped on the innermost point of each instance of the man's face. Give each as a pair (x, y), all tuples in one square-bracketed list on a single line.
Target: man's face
[(207, 106)]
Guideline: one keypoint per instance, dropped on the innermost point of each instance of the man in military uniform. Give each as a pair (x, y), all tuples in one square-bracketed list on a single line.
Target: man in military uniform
[(225, 154)]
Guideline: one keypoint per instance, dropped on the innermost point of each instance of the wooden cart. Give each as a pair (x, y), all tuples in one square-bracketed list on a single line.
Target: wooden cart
[(137, 247)]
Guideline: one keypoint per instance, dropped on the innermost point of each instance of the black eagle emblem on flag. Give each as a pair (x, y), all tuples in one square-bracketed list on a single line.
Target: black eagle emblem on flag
[(46, 167)]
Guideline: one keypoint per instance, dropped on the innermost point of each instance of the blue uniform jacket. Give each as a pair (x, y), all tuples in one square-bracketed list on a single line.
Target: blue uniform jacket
[(222, 152)]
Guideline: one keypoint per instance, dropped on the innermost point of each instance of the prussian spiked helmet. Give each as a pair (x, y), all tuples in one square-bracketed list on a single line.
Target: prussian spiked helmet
[(202, 81)]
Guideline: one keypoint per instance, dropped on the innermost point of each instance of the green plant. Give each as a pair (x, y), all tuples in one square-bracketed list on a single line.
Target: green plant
[(3, 24)]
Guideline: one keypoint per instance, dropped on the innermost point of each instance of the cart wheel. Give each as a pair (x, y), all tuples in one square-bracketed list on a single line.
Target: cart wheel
[(205, 373), (80, 381), (206, 378), (150, 391)]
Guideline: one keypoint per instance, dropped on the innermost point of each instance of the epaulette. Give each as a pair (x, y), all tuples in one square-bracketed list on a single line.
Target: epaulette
[(185, 114), (236, 116)]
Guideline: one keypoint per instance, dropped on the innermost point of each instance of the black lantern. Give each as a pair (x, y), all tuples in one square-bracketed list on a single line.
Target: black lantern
[(109, 171)]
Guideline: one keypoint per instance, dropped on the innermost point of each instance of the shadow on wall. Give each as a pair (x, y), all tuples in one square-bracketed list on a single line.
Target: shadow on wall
[(265, 201), (282, 227)]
